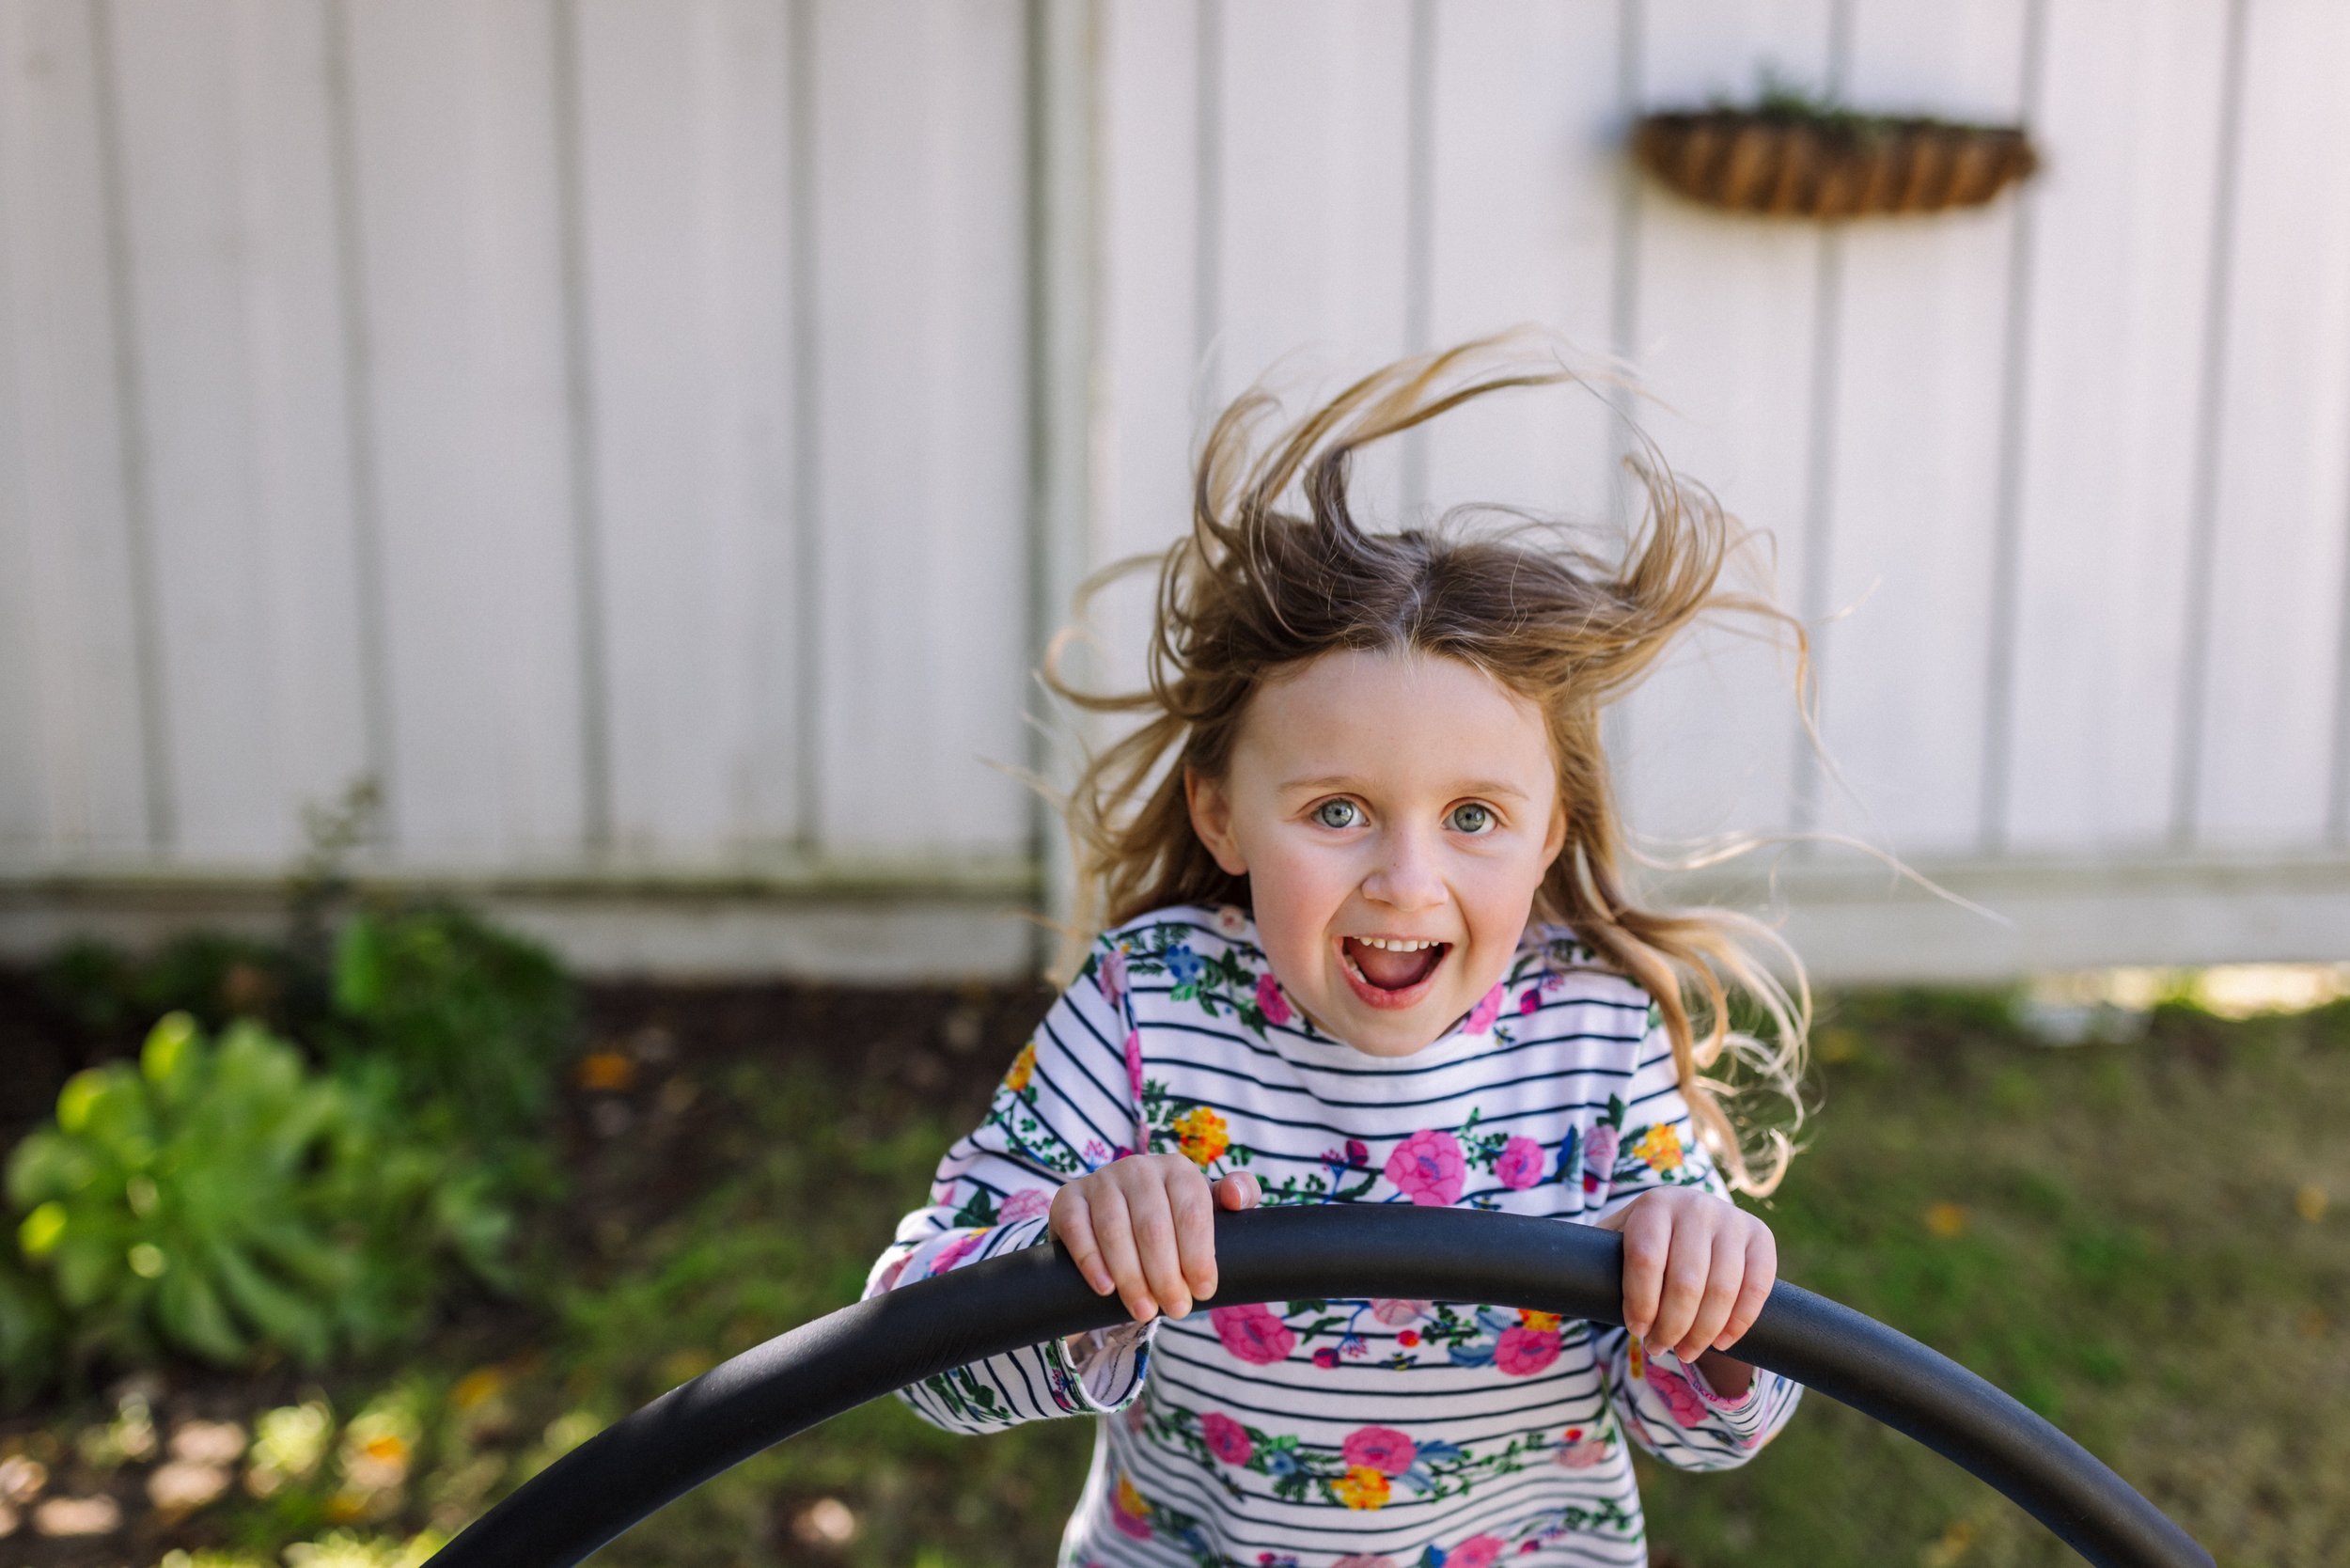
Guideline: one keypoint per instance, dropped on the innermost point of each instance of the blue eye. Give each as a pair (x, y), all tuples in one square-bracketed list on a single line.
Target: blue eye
[(1469, 817), (1338, 813)]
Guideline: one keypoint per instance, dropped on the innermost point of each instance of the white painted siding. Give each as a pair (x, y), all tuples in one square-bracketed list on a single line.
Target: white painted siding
[(610, 423)]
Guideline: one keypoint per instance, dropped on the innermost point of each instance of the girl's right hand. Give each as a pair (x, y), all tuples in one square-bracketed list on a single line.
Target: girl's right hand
[(1143, 1226)]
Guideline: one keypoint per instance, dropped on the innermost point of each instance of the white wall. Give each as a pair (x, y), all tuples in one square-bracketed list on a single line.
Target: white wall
[(613, 426)]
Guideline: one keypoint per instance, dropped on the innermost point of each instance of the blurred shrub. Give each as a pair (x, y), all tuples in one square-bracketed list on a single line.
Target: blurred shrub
[(218, 1198), (466, 1021), (29, 1328), (469, 1022), (109, 995)]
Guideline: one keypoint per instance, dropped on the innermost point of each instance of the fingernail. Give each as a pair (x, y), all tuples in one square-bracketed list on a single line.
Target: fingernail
[(1209, 1289), (1101, 1283), (1145, 1309), (1179, 1309)]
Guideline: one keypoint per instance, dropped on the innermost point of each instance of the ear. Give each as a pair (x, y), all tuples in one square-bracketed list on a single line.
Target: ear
[(1555, 839), (1212, 818)]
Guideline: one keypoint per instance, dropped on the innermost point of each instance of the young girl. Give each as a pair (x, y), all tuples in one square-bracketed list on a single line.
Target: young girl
[(1368, 944)]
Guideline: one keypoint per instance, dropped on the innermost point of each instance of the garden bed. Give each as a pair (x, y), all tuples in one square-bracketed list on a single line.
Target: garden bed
[(2147, 1241)]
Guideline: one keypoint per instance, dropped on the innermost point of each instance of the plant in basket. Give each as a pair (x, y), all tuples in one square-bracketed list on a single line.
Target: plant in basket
[(1796, 154)]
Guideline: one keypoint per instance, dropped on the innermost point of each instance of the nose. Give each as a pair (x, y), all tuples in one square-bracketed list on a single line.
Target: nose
[(1404, 879)]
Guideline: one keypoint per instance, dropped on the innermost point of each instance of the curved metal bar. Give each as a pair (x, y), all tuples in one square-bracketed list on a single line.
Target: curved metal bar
[(819, 1370)]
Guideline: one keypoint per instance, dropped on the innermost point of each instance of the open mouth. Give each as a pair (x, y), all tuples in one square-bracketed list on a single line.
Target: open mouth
[(1392, 971)]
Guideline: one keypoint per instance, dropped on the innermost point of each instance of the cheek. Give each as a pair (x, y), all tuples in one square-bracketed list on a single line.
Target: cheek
[(1296, 891), (1496, 894)]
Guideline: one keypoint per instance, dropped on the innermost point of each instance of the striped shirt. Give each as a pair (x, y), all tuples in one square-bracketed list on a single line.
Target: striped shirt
[(1347, 1434)]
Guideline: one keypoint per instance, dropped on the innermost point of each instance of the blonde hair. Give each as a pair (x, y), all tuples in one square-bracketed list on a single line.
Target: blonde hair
[(1254, 589)]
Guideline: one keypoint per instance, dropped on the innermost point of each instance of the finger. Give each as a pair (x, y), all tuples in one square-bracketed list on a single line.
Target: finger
[(1073, 1223), (1690, 1258), (1113, 1233), (1239, 1190), (1762, 1274), (1647, 1238), (1723, 1280), (1155, 1243), (1193, 1212)]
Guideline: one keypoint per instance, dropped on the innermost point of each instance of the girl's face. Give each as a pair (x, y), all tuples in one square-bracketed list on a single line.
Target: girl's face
[(1394, 815)]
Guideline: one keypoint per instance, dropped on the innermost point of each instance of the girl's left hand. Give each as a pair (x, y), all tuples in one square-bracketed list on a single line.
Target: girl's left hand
[(1697, 1269)]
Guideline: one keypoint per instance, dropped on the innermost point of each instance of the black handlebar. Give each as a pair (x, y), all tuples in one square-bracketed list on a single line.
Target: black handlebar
[(838, 1363)]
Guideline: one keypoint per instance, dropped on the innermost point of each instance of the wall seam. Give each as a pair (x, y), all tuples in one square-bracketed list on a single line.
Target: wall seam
[(1820, 461), (2210, 423), (1419, 201), (1064, 39), (1207, 302), (366, 485), (1623, 262), (2007, 517), (1624, 317), (138, 504), (807, 426), (588, 575), (2338, 784)]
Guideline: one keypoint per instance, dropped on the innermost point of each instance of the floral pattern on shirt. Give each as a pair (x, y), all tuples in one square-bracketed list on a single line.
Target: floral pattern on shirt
[(1370, 1468), (1554, 1095)]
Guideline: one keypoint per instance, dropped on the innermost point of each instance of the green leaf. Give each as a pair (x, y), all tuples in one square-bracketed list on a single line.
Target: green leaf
[(42, 1230), (79, 1096), (359, 969), (46, 1165), (190, 1313), (91, 1267), (283, 1317), (171, 1053)]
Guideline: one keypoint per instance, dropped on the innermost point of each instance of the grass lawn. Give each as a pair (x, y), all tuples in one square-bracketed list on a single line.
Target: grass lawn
[(2148, 1241)]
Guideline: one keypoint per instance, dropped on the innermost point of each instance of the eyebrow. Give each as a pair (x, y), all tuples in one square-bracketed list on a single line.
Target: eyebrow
[(1344, 781)]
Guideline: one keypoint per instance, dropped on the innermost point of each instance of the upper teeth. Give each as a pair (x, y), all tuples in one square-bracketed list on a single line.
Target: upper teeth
[(1399, 944)]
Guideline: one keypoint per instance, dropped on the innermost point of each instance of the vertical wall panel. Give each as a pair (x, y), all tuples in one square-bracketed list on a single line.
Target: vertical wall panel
[(1913, 500), (1313, 255), (73, 766), (1726, 343), (2275, 585), (459, 235), (687, 198), (231, 236), (1150, 335), (922, 420), (1521, 231), (2130, 112)]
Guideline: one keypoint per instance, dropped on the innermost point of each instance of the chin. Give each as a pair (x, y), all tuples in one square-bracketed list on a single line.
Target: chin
[(1396, 1032)]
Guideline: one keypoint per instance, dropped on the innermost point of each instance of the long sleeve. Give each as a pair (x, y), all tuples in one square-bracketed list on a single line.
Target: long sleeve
[(1648, 1141), (1066, 1107)]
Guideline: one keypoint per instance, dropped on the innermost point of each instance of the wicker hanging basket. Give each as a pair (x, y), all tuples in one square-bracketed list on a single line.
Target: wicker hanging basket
[(1840, 166)]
